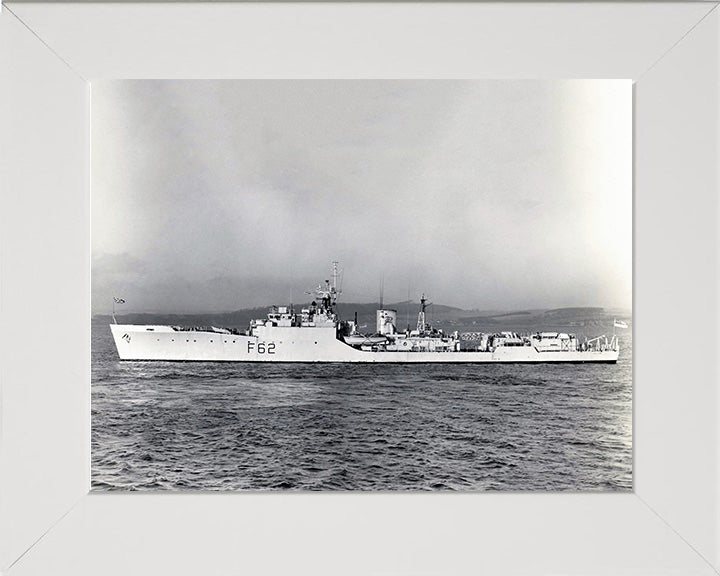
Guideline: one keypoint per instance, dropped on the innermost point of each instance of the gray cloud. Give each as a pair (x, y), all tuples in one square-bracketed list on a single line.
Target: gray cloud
[(216, 195)]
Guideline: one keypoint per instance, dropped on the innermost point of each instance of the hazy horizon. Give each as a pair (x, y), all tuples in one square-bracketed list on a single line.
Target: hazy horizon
[(121, 310), (215, 196)]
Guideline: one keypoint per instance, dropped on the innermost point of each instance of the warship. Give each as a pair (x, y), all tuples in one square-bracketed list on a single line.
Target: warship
[(316, 333)]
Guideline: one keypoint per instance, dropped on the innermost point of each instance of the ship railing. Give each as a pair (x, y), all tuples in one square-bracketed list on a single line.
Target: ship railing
[(213, 329), (602, 343), (472, 335)]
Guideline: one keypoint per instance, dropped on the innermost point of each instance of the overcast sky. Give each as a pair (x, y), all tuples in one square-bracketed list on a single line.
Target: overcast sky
[(219, 195)]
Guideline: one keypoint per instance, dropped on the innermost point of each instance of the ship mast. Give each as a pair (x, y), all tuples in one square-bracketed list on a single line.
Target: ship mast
[(421, 316), (334, 286)]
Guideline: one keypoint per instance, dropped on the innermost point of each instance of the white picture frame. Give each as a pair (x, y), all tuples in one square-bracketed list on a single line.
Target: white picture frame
[(49, 56)]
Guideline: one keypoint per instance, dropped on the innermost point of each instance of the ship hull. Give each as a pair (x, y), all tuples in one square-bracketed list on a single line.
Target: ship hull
[(315, 345)]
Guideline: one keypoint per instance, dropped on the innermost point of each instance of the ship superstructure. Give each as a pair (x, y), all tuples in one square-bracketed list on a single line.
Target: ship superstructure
[(317, 334)]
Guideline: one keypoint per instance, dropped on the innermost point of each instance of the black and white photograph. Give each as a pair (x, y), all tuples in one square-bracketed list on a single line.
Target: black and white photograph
[(361, 285)]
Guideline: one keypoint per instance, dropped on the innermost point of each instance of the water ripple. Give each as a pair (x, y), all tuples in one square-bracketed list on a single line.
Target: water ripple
[(219, 426)]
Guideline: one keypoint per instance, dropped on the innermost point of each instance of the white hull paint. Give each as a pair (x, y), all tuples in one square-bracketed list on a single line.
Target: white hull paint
[(316, 345)]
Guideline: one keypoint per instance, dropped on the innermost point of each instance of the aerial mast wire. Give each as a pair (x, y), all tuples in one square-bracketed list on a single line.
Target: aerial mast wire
[(407, 309)]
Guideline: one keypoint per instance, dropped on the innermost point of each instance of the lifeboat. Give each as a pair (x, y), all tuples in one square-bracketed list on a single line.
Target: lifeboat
[(362, 340)]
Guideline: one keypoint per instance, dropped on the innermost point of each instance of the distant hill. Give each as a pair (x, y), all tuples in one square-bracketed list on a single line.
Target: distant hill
[(589, 320)]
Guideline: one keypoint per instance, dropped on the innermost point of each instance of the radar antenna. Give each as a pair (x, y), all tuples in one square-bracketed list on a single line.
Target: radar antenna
[(328, 293)]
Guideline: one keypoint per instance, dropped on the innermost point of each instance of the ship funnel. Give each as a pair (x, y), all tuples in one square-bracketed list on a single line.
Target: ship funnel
[(386, 321)]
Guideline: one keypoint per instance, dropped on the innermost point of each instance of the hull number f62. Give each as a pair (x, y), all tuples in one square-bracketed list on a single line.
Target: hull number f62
[(261, 347)]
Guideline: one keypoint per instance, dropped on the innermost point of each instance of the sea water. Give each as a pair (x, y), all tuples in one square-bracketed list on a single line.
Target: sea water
[(238, 426)]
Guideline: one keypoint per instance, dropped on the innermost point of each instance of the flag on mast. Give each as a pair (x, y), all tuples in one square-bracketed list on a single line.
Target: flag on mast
[(118, 300), (619, 324)]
